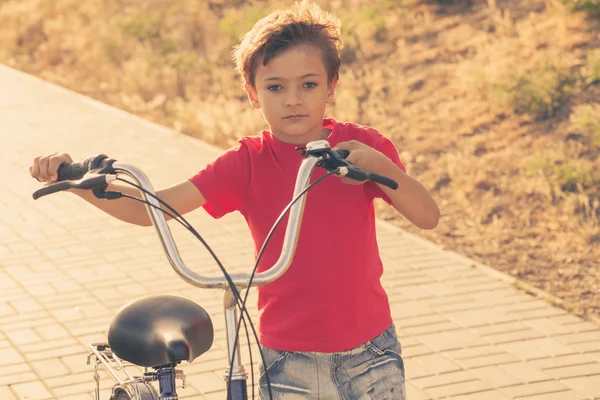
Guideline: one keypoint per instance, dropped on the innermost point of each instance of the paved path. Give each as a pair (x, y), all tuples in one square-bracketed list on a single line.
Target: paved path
[(65, 268)]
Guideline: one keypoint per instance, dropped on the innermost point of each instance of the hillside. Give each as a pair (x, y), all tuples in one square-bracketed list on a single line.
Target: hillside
[(494, 106)]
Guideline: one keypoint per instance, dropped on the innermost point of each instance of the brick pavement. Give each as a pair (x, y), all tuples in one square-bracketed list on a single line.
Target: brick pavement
[(65, 268)]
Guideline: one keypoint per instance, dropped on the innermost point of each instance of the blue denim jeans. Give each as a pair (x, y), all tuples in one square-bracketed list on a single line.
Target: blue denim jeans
[(372, 371)]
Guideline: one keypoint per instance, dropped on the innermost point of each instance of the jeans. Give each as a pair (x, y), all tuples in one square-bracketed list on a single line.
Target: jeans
[(372, 371)]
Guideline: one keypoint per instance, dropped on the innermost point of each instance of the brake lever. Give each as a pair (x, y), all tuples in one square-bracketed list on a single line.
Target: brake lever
[(330, 159), (335, 159), (101, 193), (96, 182)]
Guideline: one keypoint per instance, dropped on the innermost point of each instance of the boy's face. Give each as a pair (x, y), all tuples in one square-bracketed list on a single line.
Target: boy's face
[(292, 92)]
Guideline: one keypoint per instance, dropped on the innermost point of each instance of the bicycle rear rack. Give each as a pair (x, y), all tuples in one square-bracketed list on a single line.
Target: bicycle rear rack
[(118, 370)]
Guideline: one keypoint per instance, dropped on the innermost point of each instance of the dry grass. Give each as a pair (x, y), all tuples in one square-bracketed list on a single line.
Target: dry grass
[(493, 105), (590, 6)]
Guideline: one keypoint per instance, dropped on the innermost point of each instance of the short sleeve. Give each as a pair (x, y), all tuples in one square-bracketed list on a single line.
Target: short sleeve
[(224, 181), (385, 146)]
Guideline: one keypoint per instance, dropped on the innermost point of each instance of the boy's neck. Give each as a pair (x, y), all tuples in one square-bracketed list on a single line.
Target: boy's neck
[(325, 133)]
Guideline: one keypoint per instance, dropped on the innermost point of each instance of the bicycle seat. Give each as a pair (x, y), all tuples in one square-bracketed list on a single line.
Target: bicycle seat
[(160, 330)]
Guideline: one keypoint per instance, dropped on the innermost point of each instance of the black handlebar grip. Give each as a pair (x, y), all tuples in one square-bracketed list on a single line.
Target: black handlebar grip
[(56, 187), (392, 184), (342, 153), (71, 172), (357, 174)]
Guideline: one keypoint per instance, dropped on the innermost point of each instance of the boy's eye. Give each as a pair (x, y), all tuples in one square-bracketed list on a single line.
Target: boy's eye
[(310, 85), (274, 88)]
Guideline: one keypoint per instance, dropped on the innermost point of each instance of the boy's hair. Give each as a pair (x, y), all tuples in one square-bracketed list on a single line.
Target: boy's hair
[(303, 24)]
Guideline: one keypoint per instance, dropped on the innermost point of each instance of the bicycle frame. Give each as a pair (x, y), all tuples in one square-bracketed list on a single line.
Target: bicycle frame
[(238, 387)]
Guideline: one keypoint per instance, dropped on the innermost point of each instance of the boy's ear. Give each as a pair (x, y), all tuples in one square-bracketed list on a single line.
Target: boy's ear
[(252, 96), (331, 91)]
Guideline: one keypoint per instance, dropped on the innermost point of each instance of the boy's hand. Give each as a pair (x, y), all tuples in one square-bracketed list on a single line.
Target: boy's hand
[(414, 201), (45, 169), (364, 157)]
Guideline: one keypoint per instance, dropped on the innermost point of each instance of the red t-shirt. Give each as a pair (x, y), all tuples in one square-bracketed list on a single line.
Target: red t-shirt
[(330, 299)]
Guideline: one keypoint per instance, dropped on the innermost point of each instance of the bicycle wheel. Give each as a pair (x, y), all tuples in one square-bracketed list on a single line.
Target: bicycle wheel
[(146, 390)]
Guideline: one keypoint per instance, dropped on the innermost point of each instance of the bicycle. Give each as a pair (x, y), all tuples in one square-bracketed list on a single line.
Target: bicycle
[(158, 332)]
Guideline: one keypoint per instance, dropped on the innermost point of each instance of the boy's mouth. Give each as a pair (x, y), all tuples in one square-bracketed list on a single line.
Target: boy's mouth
[(295, 116)]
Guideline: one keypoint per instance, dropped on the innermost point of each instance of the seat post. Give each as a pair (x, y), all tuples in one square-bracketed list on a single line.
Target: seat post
[(238, 376), (166, 381)]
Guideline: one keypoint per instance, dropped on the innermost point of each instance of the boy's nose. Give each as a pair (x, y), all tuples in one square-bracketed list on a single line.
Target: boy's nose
[(293, 98)]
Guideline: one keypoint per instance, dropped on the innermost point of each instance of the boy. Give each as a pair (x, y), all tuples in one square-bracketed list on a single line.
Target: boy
[(325, 325)]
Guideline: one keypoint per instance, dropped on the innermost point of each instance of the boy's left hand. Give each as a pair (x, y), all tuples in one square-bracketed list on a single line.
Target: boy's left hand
[(414, 201), (364, 157)]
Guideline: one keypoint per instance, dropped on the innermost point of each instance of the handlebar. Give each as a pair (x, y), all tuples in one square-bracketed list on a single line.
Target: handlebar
[(316, 153), (239, 279)]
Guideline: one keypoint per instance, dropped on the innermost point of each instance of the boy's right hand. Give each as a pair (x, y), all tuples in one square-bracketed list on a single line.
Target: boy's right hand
[(45, 169)]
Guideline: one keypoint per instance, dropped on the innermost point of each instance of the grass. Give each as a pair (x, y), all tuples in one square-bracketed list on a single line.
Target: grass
[(567, 173), (590, 6), (539, 92), (374, 15), (236, 22), (576, 175), (593, 66), (142, 26), (585, 120)]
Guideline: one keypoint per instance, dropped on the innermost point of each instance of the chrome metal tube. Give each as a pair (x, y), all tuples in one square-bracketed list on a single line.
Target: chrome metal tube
[(233, 347), (239, 279)]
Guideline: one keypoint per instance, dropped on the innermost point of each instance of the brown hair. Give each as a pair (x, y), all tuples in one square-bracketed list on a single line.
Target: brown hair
[(303, 24)]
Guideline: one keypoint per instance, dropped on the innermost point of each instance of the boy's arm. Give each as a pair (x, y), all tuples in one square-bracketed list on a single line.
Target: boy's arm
[(411, 198), (183, 197)]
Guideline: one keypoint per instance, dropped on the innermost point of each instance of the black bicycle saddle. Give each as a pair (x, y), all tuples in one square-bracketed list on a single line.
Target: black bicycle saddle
[(159, 330)]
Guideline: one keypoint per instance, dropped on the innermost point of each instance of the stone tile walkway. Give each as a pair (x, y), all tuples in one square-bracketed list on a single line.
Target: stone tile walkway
[(65, 268)]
